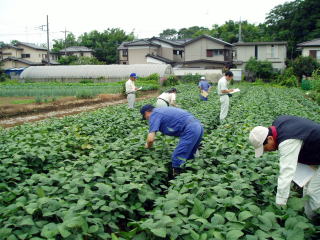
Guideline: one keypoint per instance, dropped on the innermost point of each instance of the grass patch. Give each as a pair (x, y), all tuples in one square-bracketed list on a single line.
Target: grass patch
[(22, 101)]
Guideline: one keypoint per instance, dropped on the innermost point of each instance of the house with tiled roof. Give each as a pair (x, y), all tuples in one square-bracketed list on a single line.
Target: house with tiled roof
[(310, 48), (274, 52), (203, 51), (79, 51), (24, 54)]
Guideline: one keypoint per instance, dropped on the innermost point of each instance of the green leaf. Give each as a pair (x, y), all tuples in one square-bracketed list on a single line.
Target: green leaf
[(217, 219), (234, 235), (63, 231), (231, 216), (50, 230), (194, 235), (40, 192), (114, 237), (31, 208), (5, 232), (99, 170), (295, 234), (244, 215), (296, 203), (198, 208), (160, 232)]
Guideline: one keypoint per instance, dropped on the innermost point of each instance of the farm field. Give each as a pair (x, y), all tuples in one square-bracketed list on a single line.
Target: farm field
[(57, 89), (90, 177)]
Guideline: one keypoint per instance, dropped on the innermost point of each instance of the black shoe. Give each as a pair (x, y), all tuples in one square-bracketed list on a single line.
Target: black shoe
[(177, 171)]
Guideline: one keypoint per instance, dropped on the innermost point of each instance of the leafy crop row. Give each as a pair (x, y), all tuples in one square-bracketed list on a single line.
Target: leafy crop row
[(89, 177)]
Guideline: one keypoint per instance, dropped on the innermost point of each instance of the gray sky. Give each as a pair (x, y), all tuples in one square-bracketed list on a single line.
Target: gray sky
[(146, 18)]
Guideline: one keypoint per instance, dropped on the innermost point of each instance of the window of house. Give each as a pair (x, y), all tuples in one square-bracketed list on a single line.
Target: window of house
[(23, 55), (209, 53), (214, 52), (318, 55), (125, 53), (272, 51), (81, 54), (177, 52)]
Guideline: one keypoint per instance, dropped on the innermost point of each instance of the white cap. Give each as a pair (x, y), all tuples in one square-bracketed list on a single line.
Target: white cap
[(202, 78), (256, 137)]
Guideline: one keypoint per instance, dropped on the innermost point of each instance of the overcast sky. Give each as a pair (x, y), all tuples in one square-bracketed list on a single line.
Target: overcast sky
[(19, 19)]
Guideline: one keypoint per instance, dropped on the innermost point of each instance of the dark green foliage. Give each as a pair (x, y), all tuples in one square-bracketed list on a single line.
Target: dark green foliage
[(67, 60), (90, 177), (190, 78), (304, 66), (170, 81), (287, 78), (260, 69)]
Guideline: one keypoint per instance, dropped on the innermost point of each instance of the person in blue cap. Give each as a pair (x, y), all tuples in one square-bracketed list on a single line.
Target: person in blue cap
[(175, 122), (131, 90), (204, 87)]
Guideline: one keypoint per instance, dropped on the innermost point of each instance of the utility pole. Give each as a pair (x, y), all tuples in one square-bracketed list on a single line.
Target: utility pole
[(65, 41), (48, 40), (240, 37)]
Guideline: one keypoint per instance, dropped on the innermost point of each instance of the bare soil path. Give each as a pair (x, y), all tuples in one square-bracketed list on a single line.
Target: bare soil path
[(13, 116)]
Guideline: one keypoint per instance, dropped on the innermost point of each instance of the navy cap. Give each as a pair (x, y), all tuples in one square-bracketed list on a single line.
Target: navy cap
[(146, 108), (133, 75)]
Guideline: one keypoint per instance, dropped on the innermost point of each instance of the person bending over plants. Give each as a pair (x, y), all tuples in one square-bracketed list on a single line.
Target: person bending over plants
[(175, 122), (298, 142)]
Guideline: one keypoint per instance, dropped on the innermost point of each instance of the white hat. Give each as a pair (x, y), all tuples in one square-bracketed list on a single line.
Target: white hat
[(256, 137), (202, 78)]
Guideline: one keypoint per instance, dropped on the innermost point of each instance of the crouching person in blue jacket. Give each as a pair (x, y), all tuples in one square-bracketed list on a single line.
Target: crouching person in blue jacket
[(175, 122)]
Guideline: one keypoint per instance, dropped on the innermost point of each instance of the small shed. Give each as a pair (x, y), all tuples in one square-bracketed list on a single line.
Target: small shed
[(98, 73)]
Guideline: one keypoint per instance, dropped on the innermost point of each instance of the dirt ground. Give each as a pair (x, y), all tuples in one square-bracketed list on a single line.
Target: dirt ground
[(17, 114)]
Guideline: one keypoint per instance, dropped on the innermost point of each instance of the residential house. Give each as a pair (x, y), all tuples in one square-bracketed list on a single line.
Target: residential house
[(310, 48), (203, 51), (79, 51), (274, 52), (23, 55)]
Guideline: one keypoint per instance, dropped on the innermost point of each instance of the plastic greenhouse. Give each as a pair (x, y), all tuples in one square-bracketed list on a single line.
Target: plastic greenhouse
[(103, 73)]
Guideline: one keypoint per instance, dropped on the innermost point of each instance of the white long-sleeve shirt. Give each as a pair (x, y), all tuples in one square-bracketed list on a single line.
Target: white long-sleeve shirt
[(169, 97), (130, 86), (222, 85), (289, 152)]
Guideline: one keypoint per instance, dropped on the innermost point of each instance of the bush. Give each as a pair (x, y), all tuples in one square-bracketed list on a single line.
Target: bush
[(304, 66), (260, 69), (84, 95), (288, 78), (85, 81), (189, 78), (170, 81), (315, 81)]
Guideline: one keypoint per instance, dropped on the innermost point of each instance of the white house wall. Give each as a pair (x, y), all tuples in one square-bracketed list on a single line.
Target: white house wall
[(198, 50)]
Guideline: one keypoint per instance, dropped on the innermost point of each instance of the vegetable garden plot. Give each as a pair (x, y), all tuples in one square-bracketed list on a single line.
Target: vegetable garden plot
[(89, 177)]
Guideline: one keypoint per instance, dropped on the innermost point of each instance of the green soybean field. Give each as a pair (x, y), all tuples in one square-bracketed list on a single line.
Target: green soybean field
[(89, 176)]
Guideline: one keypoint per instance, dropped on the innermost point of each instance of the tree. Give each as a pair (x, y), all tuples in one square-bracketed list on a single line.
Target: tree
[(105, 44), (170, 34), (295, 22), (304, 66), (60, 44), (192, 32), (260, 69)]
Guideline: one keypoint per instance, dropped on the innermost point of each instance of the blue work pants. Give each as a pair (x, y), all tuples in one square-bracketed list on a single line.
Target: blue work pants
[(188, 144)]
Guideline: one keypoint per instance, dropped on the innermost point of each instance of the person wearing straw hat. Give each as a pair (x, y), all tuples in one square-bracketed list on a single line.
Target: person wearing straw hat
[(298, 142), (167, 98), (131, 90), (204, 87), (175, 122)]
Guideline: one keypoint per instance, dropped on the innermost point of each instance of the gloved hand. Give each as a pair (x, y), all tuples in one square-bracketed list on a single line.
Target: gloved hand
[(229, 94)]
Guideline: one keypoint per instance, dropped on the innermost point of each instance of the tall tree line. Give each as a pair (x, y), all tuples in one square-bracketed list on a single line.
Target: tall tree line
[(296, 21)]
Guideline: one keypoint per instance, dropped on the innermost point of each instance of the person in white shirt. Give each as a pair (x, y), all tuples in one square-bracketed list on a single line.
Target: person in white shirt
[(131, 90), (298, 141), (167, 98), (224, 92)]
